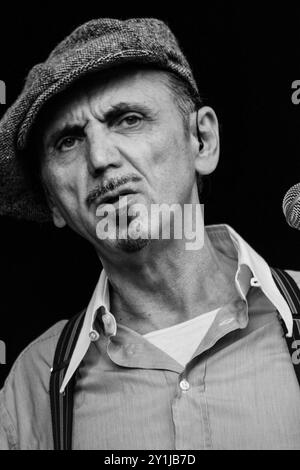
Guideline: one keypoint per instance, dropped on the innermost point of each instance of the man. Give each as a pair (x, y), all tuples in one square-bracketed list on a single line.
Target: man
[(179, 348)]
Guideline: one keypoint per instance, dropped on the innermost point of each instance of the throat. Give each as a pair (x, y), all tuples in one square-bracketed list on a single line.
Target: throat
[(172, 289), (144, 312)]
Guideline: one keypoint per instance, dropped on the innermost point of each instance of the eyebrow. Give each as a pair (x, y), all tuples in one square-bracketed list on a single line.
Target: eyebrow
[(109, 116), (123, 107), (64, 131)]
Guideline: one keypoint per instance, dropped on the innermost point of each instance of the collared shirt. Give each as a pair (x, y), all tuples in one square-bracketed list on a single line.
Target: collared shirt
[(181, 340), (250, 265), (239, 390)]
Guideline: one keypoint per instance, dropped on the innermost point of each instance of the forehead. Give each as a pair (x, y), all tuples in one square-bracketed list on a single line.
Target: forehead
[(105, 90)]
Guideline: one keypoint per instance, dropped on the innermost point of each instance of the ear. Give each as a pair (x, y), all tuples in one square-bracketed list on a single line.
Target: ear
[(58, 219), (207, 130)]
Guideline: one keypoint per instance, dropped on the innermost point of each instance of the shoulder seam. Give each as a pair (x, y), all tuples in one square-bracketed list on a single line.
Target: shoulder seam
[(31, 345)]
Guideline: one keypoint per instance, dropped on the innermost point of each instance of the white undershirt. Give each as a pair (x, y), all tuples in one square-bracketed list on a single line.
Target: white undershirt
[(180, 341)]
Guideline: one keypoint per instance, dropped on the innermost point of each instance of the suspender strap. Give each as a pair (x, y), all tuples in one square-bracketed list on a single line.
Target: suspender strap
[(291, 293), (62, 403)]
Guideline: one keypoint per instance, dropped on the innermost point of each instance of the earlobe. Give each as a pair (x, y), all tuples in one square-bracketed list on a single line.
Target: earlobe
[(58, 219), (207, 127)]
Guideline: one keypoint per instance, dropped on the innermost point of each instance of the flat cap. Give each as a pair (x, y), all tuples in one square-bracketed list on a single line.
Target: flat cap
[(94, 46)]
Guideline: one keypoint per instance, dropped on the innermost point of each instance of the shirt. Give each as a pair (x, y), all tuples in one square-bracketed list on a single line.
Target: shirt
[(223, 238), (181, 340), (238, 391)]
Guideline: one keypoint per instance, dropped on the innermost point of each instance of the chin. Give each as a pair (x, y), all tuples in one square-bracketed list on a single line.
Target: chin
[(130, 245)]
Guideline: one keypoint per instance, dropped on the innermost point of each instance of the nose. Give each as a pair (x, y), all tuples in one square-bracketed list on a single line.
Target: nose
[(102, 151)]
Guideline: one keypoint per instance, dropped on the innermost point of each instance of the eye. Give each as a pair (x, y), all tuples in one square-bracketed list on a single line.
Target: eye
[(130, 120), (67, 143)]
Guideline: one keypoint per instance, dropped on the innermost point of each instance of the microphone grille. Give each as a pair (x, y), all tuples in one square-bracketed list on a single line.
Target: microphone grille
[(291, 206)]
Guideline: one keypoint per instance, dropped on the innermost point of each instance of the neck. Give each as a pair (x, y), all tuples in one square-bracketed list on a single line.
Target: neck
[(157, 290)]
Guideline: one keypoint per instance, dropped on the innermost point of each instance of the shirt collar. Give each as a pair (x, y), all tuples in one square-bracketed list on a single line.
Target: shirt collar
[(252, 271)]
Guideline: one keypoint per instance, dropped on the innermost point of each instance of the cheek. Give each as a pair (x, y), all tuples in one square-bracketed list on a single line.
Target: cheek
[(173, 160), (157, 153), (62, 183)]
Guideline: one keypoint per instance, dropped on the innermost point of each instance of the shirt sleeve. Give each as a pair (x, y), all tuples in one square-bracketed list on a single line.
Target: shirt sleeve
[(8, 438), (25, 413), (4, 443)]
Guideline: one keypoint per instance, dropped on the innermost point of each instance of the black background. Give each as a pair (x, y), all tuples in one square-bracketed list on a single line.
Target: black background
[(244, 59)]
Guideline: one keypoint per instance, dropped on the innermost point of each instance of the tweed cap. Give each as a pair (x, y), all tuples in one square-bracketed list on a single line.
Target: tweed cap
[(94, 46)]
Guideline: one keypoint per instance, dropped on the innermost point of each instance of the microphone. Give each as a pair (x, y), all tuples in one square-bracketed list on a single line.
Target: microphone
[(291, 206)]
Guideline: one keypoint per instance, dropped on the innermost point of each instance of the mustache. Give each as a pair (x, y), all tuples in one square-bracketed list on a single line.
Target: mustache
[(111, 184)]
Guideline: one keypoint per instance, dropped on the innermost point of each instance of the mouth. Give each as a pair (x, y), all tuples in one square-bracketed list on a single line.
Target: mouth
[(113, 196)]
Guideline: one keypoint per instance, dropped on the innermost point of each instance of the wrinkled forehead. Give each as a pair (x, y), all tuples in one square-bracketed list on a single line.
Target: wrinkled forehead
[(129, 85)]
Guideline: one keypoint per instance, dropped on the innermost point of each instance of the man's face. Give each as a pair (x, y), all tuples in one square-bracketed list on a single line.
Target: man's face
[(122, 136)]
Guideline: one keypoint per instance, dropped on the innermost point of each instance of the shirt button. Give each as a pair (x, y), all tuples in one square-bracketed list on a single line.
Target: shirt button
[(94, 335), (254, 282), (184, 385)]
